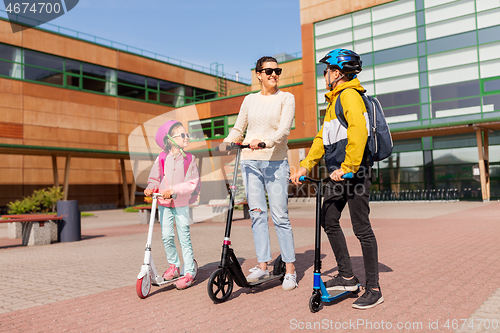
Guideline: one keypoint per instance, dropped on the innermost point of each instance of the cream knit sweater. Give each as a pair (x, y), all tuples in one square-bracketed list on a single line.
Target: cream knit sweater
[(267, 118)]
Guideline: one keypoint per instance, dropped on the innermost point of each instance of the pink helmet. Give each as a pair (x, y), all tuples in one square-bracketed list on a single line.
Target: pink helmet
[(163, 131)]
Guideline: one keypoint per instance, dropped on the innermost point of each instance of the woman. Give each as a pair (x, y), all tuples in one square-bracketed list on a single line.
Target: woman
[(267, 117)]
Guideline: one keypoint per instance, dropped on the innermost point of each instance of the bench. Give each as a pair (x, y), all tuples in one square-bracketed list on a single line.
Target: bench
[(218, 206), (33, 229)]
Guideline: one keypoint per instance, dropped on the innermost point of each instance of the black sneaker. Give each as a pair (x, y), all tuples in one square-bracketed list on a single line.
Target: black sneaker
[(369, 299), (340, 283)]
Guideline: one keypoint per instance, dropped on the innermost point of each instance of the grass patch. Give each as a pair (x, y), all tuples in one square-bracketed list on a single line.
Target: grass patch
[(84, 214)]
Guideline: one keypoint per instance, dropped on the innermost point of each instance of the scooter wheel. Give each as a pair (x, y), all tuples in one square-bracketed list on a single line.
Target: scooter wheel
[(220, 285), (143, 286), (279, 267), (315, 303)]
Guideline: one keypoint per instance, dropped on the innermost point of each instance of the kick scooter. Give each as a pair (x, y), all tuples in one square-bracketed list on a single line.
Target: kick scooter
[(149, 275), (320, 294), (220, 283)]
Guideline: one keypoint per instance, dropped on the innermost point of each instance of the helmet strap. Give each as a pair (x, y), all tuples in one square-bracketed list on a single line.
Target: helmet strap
[(330, 84), (172, 141)]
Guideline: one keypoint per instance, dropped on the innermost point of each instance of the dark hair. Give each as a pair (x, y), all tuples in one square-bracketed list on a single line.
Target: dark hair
[(261, 61), (168, 144)]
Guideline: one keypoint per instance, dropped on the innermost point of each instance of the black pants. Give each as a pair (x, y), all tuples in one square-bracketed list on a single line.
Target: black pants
[(354, 192)]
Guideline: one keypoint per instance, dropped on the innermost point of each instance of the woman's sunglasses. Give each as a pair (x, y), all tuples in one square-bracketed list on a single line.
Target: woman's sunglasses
[(270, 71), (182, 135)]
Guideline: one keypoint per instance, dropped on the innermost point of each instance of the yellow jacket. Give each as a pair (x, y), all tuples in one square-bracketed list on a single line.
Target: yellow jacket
[(342, 148)]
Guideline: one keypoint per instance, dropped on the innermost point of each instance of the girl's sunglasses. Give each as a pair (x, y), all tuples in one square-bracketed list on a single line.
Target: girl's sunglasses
[(182, 135), (270, 71)]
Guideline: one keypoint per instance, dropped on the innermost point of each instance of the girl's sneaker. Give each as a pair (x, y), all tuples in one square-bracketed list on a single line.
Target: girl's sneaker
[(257, 274), (171, 273), (184, 282)]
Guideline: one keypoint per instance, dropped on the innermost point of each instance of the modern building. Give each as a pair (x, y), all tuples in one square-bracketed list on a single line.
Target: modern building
[(69, 101), (435, 67)]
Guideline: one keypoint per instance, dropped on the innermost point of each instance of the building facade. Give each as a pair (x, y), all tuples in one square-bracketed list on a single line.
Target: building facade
[(435, 67)]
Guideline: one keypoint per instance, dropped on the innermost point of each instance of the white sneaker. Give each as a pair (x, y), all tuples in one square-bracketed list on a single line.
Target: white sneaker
[(257, 274), (290, 281)]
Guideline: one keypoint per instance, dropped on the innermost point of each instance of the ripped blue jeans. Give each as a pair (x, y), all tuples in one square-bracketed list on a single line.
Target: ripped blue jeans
[(260, 177)]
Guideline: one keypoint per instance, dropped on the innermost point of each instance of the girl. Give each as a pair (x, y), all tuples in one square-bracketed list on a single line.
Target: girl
[(175, 171)]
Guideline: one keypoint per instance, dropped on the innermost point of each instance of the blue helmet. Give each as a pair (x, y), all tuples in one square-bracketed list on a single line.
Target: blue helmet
[(347, 61)]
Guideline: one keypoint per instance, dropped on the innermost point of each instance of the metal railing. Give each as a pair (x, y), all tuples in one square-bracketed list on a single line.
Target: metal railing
[(120, 46), (443, 195)]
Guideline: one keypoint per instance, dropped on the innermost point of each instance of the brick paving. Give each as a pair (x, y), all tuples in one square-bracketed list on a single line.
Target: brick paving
[(427, 254)]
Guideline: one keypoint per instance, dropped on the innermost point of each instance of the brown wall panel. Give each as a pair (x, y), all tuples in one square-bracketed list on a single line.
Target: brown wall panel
[(11, 86), (68, 95), (204, 110), (56, 107), (317, 10), (11, 115), (11, 176), (140, 65), (10, 130), (69, 121), (203, 81), (7, 36), (11, 101), (226, 106), (44, 133), (68, 47), (143, 107)]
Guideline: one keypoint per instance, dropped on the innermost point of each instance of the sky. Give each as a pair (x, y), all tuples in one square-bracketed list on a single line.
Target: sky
[(233, 33)]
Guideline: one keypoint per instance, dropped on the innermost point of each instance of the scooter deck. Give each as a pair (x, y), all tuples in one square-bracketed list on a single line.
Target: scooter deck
[(164, 282), (268, 279), (331, 295)]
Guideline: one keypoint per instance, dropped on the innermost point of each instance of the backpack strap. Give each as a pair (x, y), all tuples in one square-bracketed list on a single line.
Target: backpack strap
[(163, 156), (339, 110)]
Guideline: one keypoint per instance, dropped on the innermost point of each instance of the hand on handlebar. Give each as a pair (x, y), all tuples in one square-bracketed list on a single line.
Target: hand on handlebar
[(255, 144), (148, 192), (295, 177), (168, 194), (224, 146)]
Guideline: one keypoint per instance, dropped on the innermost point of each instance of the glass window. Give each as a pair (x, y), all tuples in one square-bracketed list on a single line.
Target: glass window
[(396, 8), (451, 27), (43, 67), (490, 68), (362, 32), (452, 75), (395, 54), (12, 64), (397, 68), (489, 51), (450, 11), (331, 25), (394, 24), (72, 66), (455, 90), (455, 141), (488, 19), (131, 85), (456, 156), (334, 39), (406, 145), (391, 85), (361, 17), (452, 58), (491, 103), (395, 39), (492, 85), (451, 42), (399, 98), (488, 35), (456, 107), (407, 110), (403, 160)]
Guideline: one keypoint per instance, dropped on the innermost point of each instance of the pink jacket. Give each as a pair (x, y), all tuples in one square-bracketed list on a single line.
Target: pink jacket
[(174, 178)]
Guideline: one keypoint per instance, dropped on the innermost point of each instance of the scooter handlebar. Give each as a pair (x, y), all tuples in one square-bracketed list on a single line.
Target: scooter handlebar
[(239, 146), (348, 175), (141, 194)]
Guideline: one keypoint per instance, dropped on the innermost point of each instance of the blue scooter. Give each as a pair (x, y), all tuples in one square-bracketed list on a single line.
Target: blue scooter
[(320, 294)]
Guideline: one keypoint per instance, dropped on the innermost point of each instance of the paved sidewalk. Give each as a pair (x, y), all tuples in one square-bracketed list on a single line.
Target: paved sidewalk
[(427, 254)]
